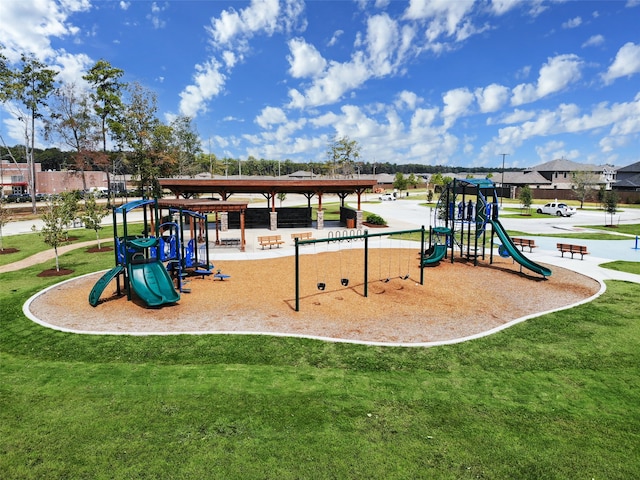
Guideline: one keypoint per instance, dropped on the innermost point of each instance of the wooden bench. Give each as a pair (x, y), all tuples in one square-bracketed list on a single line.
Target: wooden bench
[(270, 241), (573, 249), (302, 236), (524, 243)]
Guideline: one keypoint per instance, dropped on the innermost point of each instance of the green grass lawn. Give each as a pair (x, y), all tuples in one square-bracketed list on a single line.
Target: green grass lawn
[(553, 397)]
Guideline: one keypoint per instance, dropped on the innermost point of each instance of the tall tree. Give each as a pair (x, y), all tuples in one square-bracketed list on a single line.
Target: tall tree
[(30, 85), (186, 145), (73, 122), (148, 139), (107, 102), (342, 155)]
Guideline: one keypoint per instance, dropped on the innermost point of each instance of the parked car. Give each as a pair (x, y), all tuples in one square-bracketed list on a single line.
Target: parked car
[(387, 197), (18, 198), (559, 209)]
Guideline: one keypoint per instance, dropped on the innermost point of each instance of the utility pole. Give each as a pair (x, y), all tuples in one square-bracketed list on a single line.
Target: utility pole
[(502, 179)]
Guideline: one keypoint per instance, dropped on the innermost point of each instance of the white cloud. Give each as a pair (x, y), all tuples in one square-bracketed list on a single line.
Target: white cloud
[(28, 26), (558, 73), (444, 17), (572, 23), (331, 86), (231, 33), (261, 16), (154, 16), (335, 37), (518, 116), (124, 5), (594, 41), (619, 123), (208, 82), (406, 99), (384, 49), (271, 116), (305, 60), (456, 104), (382, 43), (626, 63), (500, 7), (555, 75), (492, 98), (72, 67)]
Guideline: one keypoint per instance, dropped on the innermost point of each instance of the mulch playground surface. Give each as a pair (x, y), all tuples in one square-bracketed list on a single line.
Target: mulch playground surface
[(457, 300)]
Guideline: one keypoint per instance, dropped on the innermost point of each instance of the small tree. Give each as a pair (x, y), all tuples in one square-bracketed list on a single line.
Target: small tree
[(584, 185), (525, 198), (281, 196), (429, 196), (412, 181), (399, 182), (54, 231), (69, 206), (93, 215), (5, 217), (610, 202)]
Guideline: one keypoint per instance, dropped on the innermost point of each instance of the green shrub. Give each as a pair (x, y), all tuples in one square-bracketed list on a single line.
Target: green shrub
[(375, 219)]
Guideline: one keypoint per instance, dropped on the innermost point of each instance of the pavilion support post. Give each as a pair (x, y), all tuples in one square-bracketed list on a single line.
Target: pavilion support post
[(242, 237), (217, 230), (273, 221), (224, 221), (358, 219), (320, 220)]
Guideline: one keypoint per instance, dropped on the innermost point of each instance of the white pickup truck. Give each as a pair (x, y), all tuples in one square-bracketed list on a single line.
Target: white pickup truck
[(557, 208)]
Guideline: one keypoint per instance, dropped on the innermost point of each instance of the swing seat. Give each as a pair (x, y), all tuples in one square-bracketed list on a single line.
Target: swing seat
[(321, 285), (344, 282)]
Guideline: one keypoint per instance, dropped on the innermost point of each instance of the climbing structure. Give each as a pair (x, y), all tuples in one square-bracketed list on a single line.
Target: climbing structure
[(468, 210)]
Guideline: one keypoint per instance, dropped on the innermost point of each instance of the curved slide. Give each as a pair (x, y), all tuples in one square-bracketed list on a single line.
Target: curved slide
[(98, 288), (152, 283), (438, 254), (517, 254)]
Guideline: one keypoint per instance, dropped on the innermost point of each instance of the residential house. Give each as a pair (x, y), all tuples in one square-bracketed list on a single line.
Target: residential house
[(560, 173), (628, 178)]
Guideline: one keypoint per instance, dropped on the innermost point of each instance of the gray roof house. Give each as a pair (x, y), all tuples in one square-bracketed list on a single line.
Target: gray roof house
[(559, 173), (628, 178)]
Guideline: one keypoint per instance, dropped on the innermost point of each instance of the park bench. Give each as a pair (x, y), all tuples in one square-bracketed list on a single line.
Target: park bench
[(270, 241), (573, 249), (229, 242), (524, 243), (302, 236)]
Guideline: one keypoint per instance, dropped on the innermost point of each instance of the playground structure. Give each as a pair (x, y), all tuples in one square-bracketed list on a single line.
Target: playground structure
[(155, 263), (461, 226), (344, 279)]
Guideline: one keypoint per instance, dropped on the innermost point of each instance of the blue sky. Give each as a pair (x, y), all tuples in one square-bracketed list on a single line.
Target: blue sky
[(437, 82)]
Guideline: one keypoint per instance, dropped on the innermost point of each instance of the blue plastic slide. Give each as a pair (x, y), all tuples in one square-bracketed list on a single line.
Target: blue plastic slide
[(152, 283), (515, 253)]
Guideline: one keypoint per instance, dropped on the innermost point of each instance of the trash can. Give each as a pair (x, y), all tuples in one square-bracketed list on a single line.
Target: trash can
[(351, 223)]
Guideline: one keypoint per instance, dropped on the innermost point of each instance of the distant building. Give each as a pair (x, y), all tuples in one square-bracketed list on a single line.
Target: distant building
[(14, 178), (560, 173)]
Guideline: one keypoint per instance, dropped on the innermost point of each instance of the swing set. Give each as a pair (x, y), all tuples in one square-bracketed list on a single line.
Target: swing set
[(344, 278)]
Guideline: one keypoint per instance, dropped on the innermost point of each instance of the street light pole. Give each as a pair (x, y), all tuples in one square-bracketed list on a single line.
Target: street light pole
[(502, 179)]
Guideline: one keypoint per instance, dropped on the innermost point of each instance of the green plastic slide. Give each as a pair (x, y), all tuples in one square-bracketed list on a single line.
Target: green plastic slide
[(438, 254), (98, 288), (517, 254), (152, 283)]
